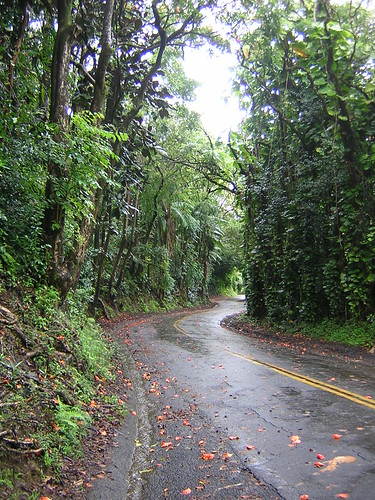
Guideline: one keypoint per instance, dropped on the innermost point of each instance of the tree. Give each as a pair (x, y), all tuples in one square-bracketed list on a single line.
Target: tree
[(121, 59), (306, 76)]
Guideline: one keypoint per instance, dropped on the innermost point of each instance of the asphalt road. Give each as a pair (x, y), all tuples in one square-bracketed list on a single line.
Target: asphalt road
[(222, 415)]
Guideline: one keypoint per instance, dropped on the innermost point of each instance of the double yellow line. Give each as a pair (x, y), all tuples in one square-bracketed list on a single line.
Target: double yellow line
[(351, 396)]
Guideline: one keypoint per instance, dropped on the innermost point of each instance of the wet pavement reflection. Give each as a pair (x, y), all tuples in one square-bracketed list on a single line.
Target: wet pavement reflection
[(281, 423)]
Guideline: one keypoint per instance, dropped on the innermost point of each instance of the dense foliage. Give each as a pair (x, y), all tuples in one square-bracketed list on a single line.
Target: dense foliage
[(104, 174), (306, 154)]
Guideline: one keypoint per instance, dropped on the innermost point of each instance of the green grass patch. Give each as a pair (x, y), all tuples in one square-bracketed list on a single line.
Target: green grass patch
[(350, 333)]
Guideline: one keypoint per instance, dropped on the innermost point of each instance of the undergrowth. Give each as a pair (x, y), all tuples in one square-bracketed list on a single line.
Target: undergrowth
[(54, 367), (351, 333)]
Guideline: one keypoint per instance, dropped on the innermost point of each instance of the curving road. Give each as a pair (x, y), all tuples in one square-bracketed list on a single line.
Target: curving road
[(302, 423)]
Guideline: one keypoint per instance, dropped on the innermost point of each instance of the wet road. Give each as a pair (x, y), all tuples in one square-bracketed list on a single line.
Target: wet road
[(282, 411), (265, 408)]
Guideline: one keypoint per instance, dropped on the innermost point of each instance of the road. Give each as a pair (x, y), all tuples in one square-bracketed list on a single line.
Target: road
[(302, 423)]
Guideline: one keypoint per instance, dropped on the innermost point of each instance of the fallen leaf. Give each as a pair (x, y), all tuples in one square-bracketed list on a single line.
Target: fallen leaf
[(224, 456), (233, 438), (304, 497), (342, 495), (134, 413), (186, 492), (166, 444), (336, 436), (103, 433), (318, 464), (319, 456), (178, 438), (332, 464), (186, 422), (208, 456), (295, 440), (250, 447)]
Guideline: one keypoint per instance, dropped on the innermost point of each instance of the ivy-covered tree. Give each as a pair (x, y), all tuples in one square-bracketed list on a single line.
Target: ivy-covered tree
[(306, 77)]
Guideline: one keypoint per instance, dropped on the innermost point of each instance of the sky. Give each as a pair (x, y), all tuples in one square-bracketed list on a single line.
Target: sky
[(219, 109)]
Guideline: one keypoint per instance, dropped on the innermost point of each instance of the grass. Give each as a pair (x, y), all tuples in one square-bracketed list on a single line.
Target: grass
[(350, 333)]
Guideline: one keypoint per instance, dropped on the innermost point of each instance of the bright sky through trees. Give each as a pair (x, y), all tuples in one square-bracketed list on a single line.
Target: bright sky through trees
[(218, 108)]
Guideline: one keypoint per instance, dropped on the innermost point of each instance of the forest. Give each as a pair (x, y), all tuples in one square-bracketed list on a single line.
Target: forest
[(113, 197), (112, 191)]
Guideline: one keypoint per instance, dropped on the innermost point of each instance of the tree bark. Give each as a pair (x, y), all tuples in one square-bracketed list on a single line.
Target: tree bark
[(54, 215)]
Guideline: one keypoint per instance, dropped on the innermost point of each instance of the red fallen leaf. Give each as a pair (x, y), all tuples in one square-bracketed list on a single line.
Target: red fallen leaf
[(186, 422), (161, 417), (201, 442), (178, 438), (208, 456), (250, 447), (342, 495), (233, 438), (134, 413), (186, 492), (304, 497), (319, 456), (166, 444), (103, 433), (368, 397), (189, 359), (336, 436), (318, 464), (224, 456)]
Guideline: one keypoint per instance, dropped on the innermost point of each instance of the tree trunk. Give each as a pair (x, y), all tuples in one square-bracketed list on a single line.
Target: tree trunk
[(54, 215), (64, 269)]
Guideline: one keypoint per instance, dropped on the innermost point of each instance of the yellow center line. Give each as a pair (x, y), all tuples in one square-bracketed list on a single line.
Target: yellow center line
[(351, 396)]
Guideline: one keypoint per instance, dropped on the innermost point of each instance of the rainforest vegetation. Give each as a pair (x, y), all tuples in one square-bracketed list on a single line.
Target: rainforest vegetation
[(113, 197)]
